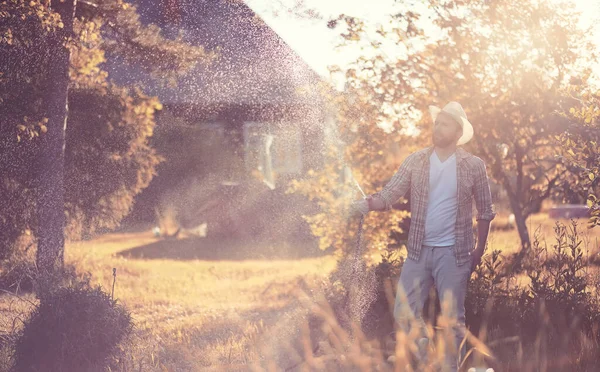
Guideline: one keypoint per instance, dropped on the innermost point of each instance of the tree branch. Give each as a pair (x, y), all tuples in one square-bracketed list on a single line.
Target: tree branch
[(519, 159)]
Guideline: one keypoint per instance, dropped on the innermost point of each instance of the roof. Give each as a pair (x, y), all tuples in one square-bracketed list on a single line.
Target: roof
[(254, 65)]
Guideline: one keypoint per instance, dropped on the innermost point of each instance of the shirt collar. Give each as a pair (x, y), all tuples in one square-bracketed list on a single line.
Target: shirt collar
[(461, 154)]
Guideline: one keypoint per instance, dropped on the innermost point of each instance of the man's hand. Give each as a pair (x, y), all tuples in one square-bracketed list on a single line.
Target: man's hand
[(359, 207), (483, 228), (477, 254)]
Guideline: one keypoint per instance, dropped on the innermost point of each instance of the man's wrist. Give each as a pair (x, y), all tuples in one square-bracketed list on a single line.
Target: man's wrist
[(360, 206), (369, 202)]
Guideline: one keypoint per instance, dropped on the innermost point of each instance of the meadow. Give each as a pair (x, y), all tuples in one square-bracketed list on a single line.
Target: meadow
[(201, 305)]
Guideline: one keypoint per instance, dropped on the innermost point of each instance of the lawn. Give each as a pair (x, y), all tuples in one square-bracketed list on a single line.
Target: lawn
[(216, 308), (208, 305), (540, 225)]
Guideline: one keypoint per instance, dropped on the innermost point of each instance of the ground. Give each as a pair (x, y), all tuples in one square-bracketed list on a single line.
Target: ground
[(213, 309), (201, 305)]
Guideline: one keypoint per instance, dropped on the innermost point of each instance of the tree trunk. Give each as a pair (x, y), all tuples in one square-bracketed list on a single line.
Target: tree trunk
[(50, 202), (520, 220), (519, 212)]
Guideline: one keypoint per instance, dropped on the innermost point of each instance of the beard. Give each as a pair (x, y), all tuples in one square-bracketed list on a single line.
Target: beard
[(441, 141)]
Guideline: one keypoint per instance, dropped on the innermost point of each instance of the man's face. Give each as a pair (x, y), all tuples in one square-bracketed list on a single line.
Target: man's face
[(446, 131)]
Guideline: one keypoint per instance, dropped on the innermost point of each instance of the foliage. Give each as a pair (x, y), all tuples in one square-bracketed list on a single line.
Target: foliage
[(546, 317), (77, 328), (554, 317), (581, 144), (26, 30), (359, 156), (19, 273), (125, 38), (107, 154), (507, 64)]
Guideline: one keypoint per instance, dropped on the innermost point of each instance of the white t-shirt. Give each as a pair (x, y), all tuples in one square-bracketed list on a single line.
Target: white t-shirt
[(443, 202)]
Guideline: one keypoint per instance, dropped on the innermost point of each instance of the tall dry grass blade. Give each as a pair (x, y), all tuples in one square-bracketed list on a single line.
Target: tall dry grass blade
[(479, 345)]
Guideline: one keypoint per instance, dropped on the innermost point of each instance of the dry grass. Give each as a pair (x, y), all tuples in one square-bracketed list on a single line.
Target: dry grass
[(539, 225), (196, 313), (221, 314), (507, 241)]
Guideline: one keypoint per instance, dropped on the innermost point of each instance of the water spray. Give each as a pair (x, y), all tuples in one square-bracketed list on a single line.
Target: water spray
[(359, 294), (357, 299), (357, 185), (357, 251)]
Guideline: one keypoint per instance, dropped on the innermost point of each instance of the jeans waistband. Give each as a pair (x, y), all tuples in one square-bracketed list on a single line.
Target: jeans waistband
[(438, 246)]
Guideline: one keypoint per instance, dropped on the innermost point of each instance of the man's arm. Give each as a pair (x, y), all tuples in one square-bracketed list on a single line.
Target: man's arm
[(483, 229), (394, 189), (375, 203), (485, 211)]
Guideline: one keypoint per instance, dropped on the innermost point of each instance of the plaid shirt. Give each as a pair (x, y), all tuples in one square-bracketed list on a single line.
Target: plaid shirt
[(472, 180)]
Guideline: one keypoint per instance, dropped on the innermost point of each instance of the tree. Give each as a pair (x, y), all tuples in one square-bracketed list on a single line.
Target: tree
[(360, 155), (507, 64), (580, 142), (50, 199), (107, 159), (27, 27)]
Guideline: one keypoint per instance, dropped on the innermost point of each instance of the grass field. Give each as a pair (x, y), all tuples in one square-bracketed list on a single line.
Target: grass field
[(212, 306), (540, 224), (193, 313)]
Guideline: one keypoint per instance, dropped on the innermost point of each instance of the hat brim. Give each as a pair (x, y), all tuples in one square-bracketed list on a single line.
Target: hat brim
[(466, 125)]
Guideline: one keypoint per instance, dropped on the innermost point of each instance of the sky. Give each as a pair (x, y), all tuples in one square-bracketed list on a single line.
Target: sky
[(316, 43), (311, 38)]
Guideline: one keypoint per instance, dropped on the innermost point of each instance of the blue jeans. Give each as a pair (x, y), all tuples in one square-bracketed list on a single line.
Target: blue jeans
[(436, 266)]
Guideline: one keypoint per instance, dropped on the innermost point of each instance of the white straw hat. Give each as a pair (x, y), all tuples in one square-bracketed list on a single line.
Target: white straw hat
[(455, 110)]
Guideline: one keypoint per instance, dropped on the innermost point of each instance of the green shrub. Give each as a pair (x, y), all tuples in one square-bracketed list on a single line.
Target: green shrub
[(76, 328), (553, 320), (546, 314), (18, 272)]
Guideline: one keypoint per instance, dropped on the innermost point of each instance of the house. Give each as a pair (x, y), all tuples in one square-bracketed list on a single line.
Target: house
[(255, 114)]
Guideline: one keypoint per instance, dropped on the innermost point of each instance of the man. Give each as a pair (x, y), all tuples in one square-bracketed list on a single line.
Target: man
[(443, 181)]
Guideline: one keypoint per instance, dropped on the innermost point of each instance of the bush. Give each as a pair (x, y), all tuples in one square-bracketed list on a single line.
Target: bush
[(18, 272), (76, 328), (553, 320), (359, 295), (545, 315)]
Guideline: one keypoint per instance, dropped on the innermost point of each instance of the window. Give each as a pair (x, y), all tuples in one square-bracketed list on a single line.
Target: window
[(272, 151), (287, 152)]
